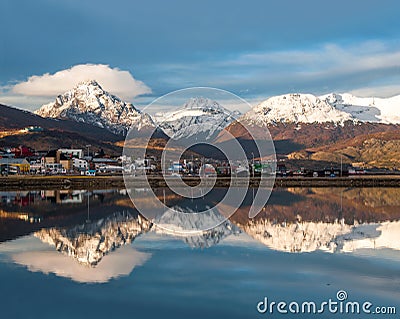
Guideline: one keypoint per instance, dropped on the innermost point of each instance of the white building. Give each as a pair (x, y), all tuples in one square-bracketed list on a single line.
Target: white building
[(76, 153), (79, 164)]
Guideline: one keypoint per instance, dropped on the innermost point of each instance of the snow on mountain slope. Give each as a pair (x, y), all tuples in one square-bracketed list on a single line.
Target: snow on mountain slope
[(304, 108), (198, 116), (337, 108), (89, 103), (89, 243), (368, 109)]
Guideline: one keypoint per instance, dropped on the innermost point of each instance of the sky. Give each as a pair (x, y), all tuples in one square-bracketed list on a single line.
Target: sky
[(141, 50)]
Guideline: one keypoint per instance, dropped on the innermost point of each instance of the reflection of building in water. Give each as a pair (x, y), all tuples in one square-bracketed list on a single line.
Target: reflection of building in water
[(20, 215), (89, 242), (65, 196), (18, 198)]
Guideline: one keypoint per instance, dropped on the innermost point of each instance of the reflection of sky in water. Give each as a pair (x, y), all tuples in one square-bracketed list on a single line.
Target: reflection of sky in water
[(162, 276), (172, 280)]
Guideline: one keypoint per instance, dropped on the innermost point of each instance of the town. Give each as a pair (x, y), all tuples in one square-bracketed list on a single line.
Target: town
[(23, 160)]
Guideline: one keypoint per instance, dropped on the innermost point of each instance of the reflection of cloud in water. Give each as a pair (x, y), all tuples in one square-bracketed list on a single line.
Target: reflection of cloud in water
[(118, 263), (97, 251)]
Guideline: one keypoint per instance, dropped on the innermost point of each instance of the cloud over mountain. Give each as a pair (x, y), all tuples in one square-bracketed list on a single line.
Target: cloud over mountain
[(114, 80)]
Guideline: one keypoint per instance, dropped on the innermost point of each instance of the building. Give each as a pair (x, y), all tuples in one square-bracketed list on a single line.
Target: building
[(33, 129), (15, 165), (79, 164), (58, 157), (75, 153), (66, 162), (50, 157), (22, 151), (54, 168)]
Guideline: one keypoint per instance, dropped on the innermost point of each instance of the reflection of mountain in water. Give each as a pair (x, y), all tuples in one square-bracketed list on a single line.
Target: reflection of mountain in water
[(330, 219), (185, 220), (203, 239), (295, 220), (88, 243), (296, 237), (371, 236), (332, 237)]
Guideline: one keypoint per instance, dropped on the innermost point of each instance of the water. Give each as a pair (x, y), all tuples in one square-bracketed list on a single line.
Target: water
[(88, 254)]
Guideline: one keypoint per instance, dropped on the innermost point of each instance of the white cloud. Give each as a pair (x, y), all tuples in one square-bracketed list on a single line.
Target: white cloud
[(113, 80), (318, 69), (329, 59), (377, 91)]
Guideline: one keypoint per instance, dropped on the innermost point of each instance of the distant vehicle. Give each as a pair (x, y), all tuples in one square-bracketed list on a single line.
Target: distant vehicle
[(13, 170), (90, 172), (4, 170), (207, 170), (357, 171)]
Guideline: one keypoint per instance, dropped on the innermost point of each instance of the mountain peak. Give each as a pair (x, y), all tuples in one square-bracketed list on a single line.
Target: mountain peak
[(89, 82), (201, 102), (367, 109), (87, 102), (198, 115), (296, 107)]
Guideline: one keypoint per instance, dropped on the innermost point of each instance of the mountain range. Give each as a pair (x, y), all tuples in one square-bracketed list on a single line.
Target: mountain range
[(198, 116), (303, 126)]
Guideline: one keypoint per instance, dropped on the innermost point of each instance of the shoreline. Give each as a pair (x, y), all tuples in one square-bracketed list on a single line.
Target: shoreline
[(22, 182)]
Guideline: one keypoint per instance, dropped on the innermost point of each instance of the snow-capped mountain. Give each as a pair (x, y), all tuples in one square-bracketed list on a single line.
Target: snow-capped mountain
[(368, 109), (297, 108), (89, 103), (336, 108), (198, 116)]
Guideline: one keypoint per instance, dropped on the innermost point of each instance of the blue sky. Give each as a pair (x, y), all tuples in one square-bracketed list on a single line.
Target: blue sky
[(253, 48)]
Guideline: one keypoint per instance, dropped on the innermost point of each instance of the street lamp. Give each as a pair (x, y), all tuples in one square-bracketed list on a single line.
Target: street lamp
[(252, 166), (341, 165)]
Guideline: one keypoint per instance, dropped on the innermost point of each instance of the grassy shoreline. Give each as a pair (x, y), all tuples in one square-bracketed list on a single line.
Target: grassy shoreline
[(105, 182)]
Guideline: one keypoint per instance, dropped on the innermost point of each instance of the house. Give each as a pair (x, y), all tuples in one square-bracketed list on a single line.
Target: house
[(15, 165), (54, 168), (22, 151), (57, 157), (75, 153), (102, 162), (79, 164), (50, 157), (66, 162)]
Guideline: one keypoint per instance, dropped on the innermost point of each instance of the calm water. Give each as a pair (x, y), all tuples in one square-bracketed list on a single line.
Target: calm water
[(88, 254)]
